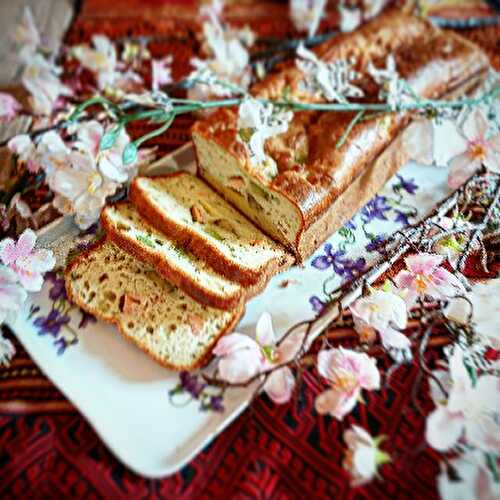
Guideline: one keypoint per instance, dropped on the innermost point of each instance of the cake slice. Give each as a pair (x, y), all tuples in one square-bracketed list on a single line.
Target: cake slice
[(158, 317), (126, 228), (201, 221)]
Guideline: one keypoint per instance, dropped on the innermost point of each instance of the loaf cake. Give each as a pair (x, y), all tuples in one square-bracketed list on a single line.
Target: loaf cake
[(318, 184), (127, 229), (160, 319), (199, 220)]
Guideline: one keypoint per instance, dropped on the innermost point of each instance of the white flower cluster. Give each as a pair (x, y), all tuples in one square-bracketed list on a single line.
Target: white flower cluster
[(331, 80), (307, 14), (40, 75), (228, 61), (81, 174), (258, 122)]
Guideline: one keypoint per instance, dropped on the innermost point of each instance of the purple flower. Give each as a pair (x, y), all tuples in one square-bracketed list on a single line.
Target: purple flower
[(191, 384), (62, 344), (214, 404), (58, 290), (86, 319), (347, 268), (375, 209), (377, 244), (402, 218), (408, 185), (350, 225), (317, 304), (52, 323)]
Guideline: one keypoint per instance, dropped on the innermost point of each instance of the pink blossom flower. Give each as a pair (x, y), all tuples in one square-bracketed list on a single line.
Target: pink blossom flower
[(9, 107), (12, 294), (479, 150), (363, 456), (242, 358), (29, 264), (348, 372), (426, 278), (23, 147), (471, 411), (161, 72)]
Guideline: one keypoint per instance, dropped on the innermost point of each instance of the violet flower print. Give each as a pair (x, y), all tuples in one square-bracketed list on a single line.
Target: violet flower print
[(191, 384), (377, 244), (344, 267), (29, 264), (375, 209), (402, 218), (58, 290), (317, 304), (52, 323), (408, 185)]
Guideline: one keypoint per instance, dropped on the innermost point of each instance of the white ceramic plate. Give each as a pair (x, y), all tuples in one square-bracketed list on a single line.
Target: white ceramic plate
[(125, 395)]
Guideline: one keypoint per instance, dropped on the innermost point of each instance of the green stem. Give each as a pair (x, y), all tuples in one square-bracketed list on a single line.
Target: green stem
[(90, 102), (347, 131), (157, 132)]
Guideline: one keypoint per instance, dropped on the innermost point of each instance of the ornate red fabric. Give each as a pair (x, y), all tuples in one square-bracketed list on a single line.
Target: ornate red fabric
[(47, 450)]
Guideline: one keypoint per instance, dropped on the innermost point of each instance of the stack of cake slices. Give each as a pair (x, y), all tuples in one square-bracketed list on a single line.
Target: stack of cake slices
[(175, 269), (185, 253)]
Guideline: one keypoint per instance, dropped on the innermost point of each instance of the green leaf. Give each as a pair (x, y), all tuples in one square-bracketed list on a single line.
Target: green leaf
[(129, 154), (107, 141), (145, 240), (245, 134)]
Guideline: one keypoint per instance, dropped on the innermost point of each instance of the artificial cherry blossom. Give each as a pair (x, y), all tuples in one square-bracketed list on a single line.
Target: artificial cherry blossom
[(28, 263), (41, 79), (12, 294), (262, 121), (7, 349), (425, 277), (9, 107), (470, 411), (161, 72), (101, 60), (331, 80), (479, 150), (306, 14), (348, 372), (363, 456), (242, 357), (26, 36)]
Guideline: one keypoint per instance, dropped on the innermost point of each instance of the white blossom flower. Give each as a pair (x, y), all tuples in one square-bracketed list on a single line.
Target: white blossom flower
[(332, 80), (161, 72), (470, 411), (228, 62), (350, 18), (101, 60), (12, 294), (7, 349), (81, 189), (260, 122), (307, 14), (363, 456), (41, 79), (393, 89), (26, 36), (474, 480)]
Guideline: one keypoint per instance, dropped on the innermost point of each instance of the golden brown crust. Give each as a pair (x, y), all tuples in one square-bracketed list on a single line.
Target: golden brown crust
[(432, 61), (237, 313), (170, 273), (201, 248)]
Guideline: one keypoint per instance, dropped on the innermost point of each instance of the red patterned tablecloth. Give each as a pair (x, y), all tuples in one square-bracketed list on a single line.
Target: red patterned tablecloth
[(47, 450)]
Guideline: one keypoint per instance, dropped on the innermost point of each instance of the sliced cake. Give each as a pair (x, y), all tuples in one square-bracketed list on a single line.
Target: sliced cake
[(125, 226), (158, 317), (201, 221)]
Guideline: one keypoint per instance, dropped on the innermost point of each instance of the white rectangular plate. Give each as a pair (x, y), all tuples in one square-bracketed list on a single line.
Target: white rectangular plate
[(125, 395)]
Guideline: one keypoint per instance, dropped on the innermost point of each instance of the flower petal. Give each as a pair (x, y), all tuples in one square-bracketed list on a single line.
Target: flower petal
[(233, 342), (336, 403), (461, 168), (264, 332), (26, 243), (475, 126), (240, 366), (443, 428), (280, 384)]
